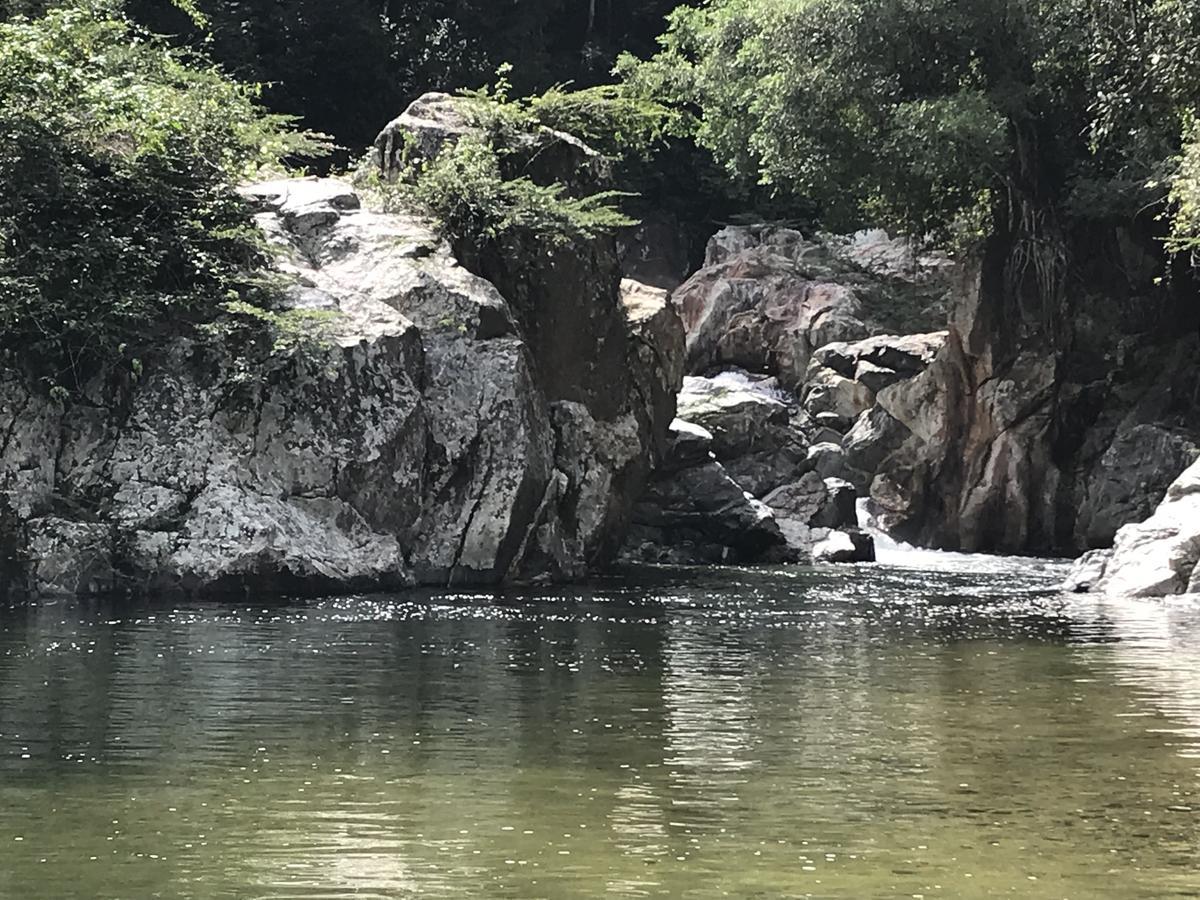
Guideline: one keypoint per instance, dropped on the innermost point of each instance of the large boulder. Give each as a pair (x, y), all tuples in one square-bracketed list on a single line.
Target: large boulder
[(754, 436), (424, 444), (767, 298), (694, 513), (1159, 557)]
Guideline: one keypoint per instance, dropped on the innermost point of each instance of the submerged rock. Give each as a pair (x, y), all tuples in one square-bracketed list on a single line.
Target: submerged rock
[(844, 547)]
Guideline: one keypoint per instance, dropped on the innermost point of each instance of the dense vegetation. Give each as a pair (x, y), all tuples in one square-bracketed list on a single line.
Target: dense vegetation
[(502, 181), (347, 66), (118, 208), (1023, 121), (944, 116)]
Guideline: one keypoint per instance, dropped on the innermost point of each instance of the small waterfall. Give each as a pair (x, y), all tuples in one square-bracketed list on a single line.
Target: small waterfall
[(887, 549), (891, 552)]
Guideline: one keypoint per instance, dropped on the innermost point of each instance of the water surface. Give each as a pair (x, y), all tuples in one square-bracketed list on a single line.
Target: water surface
[(854, 732)]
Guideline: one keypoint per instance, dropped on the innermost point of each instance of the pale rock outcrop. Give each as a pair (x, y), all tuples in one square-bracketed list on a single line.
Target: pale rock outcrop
[(1159, 557), (421, 446)]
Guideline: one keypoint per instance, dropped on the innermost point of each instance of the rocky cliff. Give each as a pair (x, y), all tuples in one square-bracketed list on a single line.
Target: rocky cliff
[(966, 424), (436, 440)]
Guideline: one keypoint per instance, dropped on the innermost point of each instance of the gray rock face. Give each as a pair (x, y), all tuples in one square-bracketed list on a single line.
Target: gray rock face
[(422, 446), (1129, 479), (1159, 557), (753, 435), (744, 448), (996, 433), (694, 513)]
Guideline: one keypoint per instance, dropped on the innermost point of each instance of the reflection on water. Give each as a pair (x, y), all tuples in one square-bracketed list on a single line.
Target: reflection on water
[(859, 732)]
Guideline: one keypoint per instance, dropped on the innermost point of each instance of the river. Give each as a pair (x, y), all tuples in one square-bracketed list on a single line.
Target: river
[(953, 730)]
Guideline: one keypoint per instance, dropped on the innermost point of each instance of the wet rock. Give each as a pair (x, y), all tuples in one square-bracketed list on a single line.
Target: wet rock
[(693, 512), (844, 547), (1087, 571)]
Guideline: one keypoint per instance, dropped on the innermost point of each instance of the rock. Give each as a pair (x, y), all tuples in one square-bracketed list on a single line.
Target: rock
[(431, 123), (687, 445), (808, 508), (844, 547), (874, 437), (876, 252), (840, 507), (874, 377), (1087, 571), (698, 514), (429, 443), (753, 434), (825, 391), (844, 378), (656, 356), (830, 427), (1130, 479), (767, 298), (72, 557), (801, 501), (828, 460), (1159, 557)]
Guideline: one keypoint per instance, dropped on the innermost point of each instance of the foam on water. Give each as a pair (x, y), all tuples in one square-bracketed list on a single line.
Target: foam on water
[(891, 552)]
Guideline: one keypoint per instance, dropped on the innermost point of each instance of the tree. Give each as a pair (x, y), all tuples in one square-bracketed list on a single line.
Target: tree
[(119, 215), (347, 67), (940, 116)]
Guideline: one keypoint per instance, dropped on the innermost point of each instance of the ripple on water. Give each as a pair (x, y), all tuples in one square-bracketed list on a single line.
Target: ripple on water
[(954, 728)]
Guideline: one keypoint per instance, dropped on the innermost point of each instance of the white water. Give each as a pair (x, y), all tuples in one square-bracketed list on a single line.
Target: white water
[(890, 552)]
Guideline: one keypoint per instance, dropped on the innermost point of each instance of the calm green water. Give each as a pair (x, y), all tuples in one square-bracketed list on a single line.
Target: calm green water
[(852, 733)]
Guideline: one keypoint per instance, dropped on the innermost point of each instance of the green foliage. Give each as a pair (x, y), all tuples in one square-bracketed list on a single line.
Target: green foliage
[(465, 191), (349, 66), (1185, 196), (291, 331), (934, 116), (608, 118), (119, 159), (478, 190)]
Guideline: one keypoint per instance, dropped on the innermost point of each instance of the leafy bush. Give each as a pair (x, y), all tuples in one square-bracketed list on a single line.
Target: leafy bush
[(476, 190), (465, 191), (119, 216), (1185, 196)]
